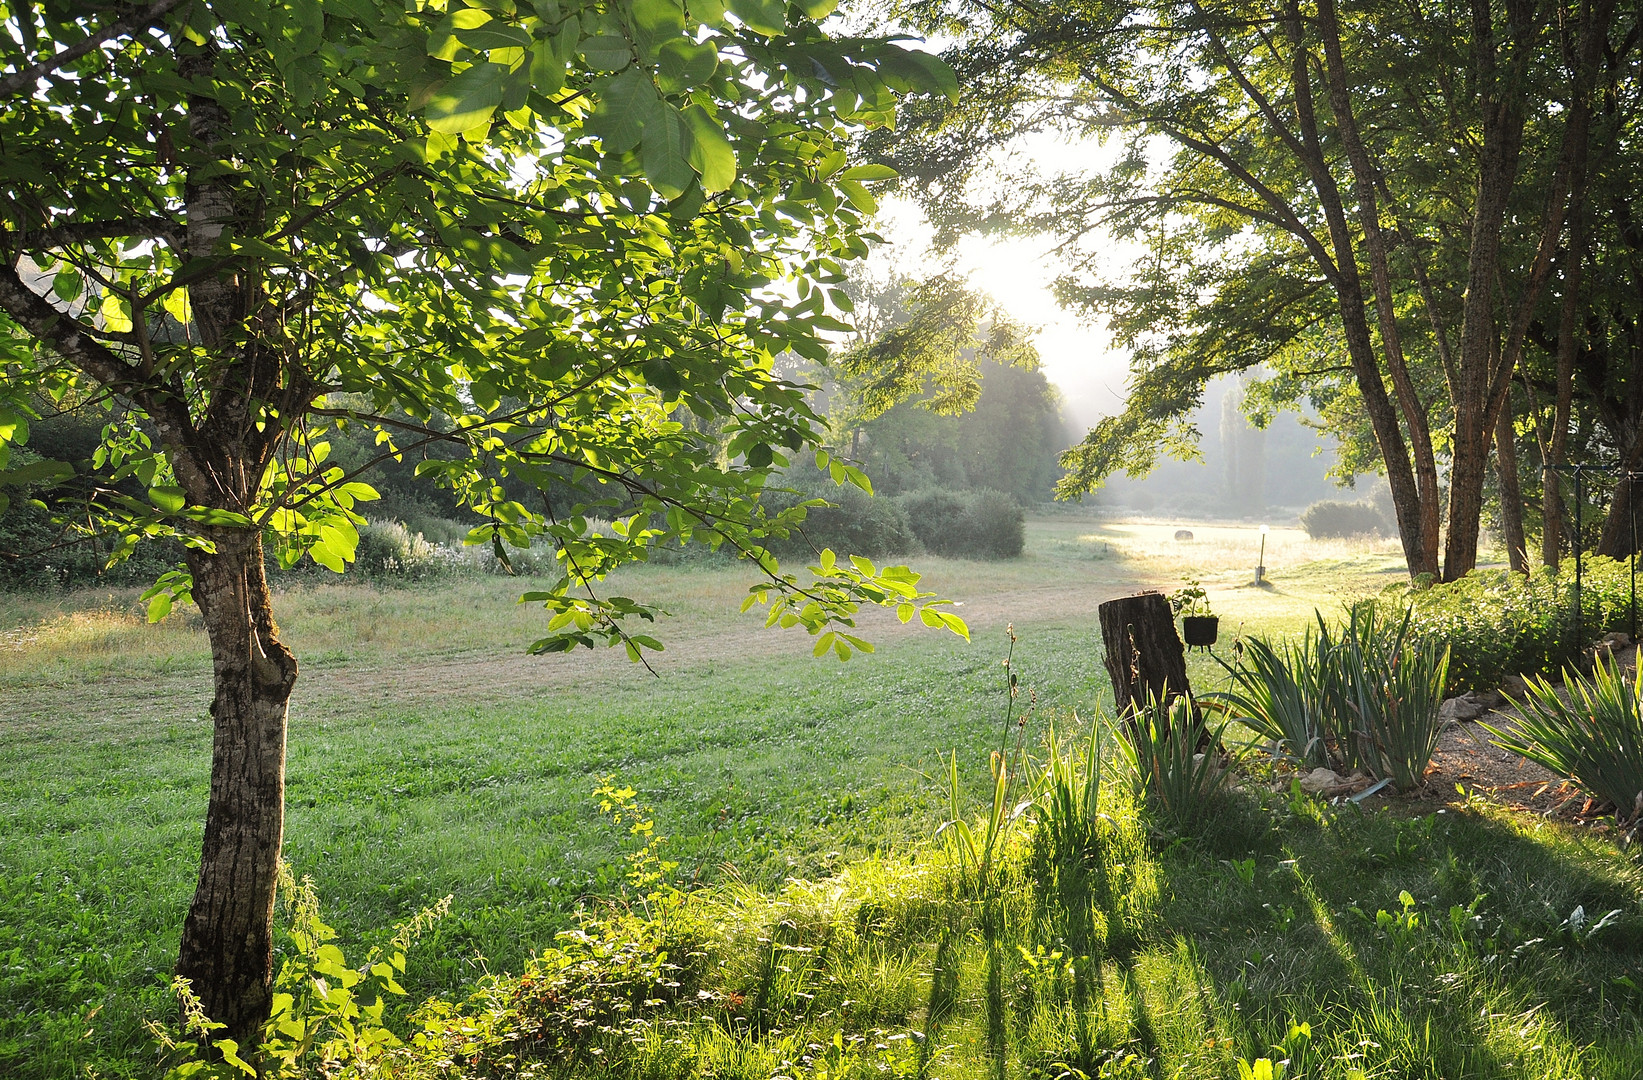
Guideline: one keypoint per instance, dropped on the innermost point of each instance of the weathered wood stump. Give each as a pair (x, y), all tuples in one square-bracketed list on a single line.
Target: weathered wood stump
[(1143, 651)]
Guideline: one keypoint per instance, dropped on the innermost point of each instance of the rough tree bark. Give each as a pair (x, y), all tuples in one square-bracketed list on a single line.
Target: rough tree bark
[(227, 947), (1144, 655), (1511, 493), (1366, 179)]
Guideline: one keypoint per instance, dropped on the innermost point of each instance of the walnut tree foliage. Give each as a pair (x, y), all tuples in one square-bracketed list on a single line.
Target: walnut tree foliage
[(510, 240)]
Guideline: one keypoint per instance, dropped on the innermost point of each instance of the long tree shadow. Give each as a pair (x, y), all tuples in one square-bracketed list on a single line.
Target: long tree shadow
[(1456, 944)]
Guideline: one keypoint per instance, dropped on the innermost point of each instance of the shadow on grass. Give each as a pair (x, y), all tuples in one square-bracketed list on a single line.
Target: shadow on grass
[(1460, 944)]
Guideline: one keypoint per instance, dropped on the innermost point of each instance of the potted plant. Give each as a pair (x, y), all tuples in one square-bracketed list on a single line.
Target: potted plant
[(1199, 626)]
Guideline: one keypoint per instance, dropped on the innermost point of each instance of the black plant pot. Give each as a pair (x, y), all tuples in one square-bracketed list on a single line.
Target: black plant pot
[(1201, 630)]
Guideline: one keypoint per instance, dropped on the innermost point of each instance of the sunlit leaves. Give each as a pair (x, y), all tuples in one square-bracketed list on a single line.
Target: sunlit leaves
[(468, 100)]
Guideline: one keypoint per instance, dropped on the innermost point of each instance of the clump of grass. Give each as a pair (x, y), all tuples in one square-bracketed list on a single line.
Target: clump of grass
[(1364, 695), (1173, 758), (1594, 736)]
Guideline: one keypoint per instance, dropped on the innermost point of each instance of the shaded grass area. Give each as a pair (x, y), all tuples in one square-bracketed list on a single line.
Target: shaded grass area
[(776, 767)]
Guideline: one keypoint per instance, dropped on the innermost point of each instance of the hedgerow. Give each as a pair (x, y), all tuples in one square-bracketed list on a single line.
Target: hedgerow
[(1500, 623)]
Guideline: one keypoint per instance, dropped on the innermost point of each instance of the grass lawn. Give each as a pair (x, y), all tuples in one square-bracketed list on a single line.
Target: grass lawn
[(429, 756)]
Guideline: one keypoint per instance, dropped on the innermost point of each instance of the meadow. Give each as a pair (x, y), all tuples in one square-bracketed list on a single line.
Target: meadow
[(429, 756)]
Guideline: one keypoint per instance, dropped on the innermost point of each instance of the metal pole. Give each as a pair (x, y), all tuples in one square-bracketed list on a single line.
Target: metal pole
[(1580, 500)]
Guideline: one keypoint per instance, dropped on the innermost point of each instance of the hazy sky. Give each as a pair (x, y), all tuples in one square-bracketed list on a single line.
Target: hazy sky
[(1078, 357)]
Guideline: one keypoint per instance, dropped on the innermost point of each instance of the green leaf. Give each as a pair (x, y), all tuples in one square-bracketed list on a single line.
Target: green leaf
[(159, 607), (627, 105), (68, 284), (869, 172), (547, 69), (168, 499), (682, 64), (710, 153), (176, 305), (859, 196), (817, 9), (494, 35), (116, 312), (469, 100), (658, 22), (667, 153), (762, 16), (922, 71), (607, 52)]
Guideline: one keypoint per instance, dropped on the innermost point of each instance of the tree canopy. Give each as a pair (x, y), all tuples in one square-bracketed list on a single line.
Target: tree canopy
[(1378, 203)]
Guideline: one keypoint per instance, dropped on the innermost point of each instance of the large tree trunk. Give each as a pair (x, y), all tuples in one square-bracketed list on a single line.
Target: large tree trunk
[(227, 945), (1342, 272), (1511, 494), (1376, 245), (1144, 656)]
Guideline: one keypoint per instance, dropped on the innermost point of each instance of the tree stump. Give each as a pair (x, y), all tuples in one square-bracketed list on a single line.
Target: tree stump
[(1143, 651)]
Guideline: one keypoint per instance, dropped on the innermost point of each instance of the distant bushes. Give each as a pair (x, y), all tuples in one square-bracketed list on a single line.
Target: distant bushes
[(857, 523), (1332, 519), (1503, 623), (981, 524)]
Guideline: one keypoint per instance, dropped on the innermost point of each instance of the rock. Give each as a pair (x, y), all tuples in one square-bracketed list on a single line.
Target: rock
[(1183, 534), (1616, 640), (1320, 780), (1513, 686), (1489, 699), (1463, 709)]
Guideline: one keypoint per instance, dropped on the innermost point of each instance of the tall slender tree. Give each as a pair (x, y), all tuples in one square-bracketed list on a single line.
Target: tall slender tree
[(526, 235), (1368, 200)]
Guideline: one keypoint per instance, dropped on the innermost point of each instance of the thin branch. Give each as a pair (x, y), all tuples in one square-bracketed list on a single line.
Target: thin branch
[(19, 80)]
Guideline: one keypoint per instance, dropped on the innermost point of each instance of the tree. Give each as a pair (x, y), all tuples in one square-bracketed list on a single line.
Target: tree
[(1301, 218), (512, 241)]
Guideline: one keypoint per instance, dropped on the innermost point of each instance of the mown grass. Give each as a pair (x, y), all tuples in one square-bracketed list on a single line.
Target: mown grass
[(428, 756)]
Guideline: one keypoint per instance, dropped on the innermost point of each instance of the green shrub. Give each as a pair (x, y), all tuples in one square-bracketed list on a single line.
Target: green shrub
[(979, 524), (1335, 519), (389, 551), (1500, 623), (854, 522)]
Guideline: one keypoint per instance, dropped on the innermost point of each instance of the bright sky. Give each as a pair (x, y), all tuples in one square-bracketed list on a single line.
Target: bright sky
[(1019, 273)]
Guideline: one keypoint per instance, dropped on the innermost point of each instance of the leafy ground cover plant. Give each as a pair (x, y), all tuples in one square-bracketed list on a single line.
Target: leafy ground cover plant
[(1501, 623), (1594, 734)]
